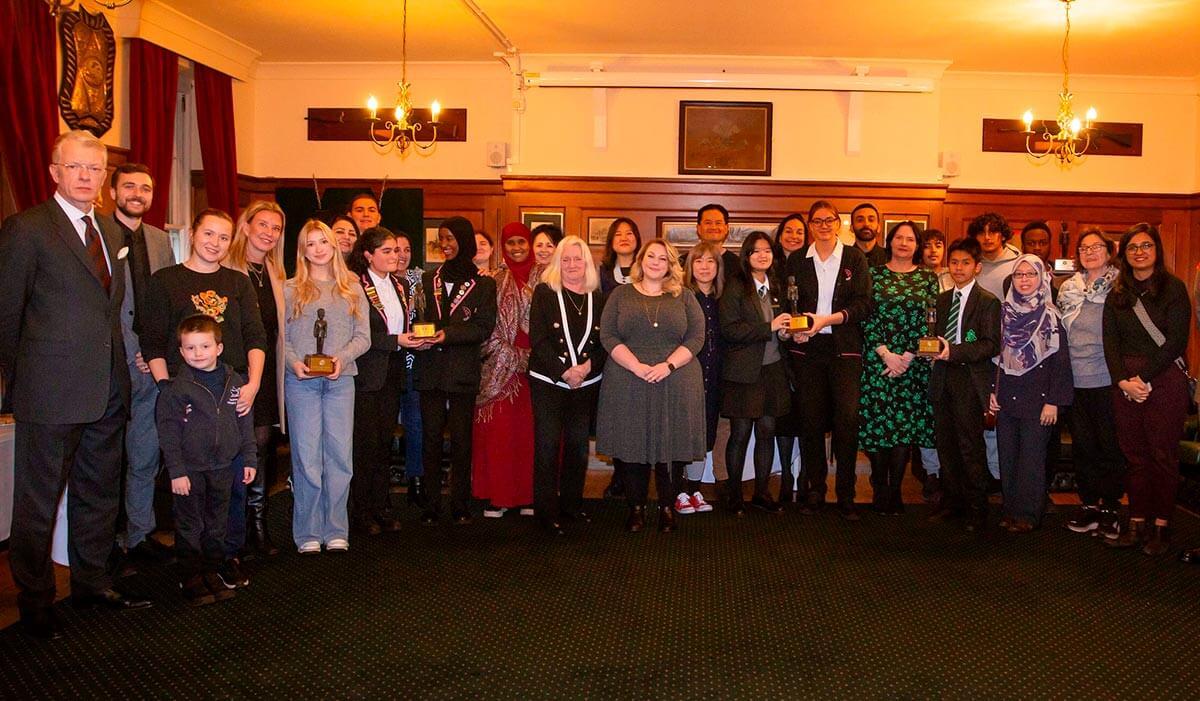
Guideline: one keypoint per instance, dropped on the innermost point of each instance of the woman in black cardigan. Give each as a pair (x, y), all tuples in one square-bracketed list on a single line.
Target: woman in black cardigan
[(462, 305), (755, 389), (565, 364), (380, 380), (834, 284)]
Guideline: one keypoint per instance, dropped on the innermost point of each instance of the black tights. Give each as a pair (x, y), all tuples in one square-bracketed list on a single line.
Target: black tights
[(764, 453), (667, 476), (786, 446), (887, 472)]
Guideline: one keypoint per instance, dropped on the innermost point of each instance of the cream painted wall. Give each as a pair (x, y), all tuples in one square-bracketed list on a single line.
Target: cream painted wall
[(283, 92), (1169, 109)]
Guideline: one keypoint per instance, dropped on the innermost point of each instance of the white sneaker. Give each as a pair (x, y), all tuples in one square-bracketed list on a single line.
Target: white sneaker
[(310, 547), (683, 505), (340, 545), (699, 504), (494, 512), (526, 511)]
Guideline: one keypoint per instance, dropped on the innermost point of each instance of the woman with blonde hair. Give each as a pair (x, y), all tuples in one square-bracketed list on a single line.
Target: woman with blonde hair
[(565, 363), (326, 314), (652, 397), (257, 251)]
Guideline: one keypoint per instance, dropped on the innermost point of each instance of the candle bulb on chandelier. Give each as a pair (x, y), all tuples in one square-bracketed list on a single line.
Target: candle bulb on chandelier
[(1028, 119), (434, 109), (399, 113), (1075, 127), (1091, 116), (373, 105)]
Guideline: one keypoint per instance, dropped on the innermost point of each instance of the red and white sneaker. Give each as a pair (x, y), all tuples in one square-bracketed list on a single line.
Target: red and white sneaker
[(683, 504), (698, 503)]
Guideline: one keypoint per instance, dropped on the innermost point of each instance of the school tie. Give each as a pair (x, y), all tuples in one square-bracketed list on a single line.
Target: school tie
[(762, 293), (952, 318), (96, 251)]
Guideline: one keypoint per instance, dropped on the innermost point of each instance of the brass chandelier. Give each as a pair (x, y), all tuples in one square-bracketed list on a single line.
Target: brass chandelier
[(399, 132), (1073, 137), (57, 6)]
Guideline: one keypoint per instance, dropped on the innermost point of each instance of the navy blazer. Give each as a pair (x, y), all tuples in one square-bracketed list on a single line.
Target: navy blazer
[(851, 293), (455, 365), (981, 314), (373, 365)]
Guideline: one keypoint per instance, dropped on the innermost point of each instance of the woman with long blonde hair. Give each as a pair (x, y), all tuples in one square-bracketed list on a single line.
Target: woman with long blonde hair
[(326, 314), (651, 410), (257, 252)]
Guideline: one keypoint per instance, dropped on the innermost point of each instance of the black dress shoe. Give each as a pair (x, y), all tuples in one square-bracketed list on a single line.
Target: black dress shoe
[(810, 505), (766, 504), (666, 519), (1190, 556), (614, 490), (389, 524), (637, 519), (461, 518), (41, 623), (848, 512), (574, 517), (109, 599), (550, 526), (258, 539), (416, 492), (737, 507)]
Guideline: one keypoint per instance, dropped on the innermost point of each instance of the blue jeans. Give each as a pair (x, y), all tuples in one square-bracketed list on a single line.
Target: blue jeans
[(410, 418), (141, 450), (321, 426)]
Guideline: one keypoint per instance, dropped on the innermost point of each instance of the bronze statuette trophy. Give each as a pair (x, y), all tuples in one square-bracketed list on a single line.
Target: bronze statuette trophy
[(799, 322), (422, 328), (928, 345), (318, 363)]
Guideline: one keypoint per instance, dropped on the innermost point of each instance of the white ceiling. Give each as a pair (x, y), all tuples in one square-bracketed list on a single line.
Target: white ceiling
[(1128, 37)]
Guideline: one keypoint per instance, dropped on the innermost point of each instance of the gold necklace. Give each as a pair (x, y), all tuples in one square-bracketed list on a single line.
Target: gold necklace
[(571, 298), (646, 311)]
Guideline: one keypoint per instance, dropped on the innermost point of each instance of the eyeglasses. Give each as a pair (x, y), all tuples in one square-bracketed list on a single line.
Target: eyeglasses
[(827, 221), (1025, 276), (1145, 247), (75, 168), (1094, 248)]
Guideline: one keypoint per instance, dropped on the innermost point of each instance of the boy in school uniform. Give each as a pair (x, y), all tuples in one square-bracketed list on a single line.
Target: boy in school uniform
[(960, 383), (201, 434)]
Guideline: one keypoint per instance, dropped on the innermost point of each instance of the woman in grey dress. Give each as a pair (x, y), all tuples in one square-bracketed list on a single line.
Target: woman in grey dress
[(651, 410)]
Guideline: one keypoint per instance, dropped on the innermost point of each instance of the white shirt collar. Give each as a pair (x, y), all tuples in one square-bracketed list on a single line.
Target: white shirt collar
[(836, 255), (965, 291), (73, 213), (379, 281)]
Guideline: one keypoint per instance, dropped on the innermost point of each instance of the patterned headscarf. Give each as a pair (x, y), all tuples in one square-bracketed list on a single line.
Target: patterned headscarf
[(1029, 325)]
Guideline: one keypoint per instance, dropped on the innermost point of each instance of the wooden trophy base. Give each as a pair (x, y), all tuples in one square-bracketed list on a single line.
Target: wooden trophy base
[(318, 364), (424, 330), (928, 347)]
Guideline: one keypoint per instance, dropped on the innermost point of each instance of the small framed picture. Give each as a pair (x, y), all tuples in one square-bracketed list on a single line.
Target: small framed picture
[(680, 233), (533, 219), (888, 223), (739, 230), (433, 252), (597, 230)]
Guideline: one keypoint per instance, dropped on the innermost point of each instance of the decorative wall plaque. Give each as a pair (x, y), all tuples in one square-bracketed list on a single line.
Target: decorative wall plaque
[(89, 52)]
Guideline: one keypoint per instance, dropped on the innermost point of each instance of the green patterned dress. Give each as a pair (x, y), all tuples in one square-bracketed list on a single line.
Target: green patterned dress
[(896, 411)]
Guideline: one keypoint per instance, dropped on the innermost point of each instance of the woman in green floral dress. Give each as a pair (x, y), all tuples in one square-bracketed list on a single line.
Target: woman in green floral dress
[(895, 409)]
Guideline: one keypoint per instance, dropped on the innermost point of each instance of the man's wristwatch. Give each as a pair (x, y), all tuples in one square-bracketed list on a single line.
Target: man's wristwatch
[(670, 366)]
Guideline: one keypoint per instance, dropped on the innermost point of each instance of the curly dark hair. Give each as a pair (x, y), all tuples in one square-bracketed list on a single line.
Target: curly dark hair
[(990, 221)]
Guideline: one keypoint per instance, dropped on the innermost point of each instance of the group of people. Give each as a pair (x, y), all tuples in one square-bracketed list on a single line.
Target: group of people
[(958, 357)]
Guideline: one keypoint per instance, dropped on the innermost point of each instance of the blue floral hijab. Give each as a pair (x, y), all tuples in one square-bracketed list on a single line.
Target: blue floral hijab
[(1029, 325)]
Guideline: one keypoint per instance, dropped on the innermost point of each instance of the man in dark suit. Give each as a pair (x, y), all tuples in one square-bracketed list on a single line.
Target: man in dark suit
[(61, 345), (149, 250), (959, 385)]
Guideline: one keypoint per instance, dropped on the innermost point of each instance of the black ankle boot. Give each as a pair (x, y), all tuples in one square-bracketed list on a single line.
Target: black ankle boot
[(258, 538), (637, 519), (416, 492), (666, 519)]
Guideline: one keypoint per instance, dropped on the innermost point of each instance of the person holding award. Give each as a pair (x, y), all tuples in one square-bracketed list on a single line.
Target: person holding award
[(895, 408), (381, 378), (459, 314), (327, 328), (755, 390)]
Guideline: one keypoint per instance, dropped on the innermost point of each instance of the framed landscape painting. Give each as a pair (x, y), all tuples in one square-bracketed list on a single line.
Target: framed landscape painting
[(724, 138)]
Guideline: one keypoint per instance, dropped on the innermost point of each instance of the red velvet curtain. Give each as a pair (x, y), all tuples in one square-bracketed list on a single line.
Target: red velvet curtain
[(28, 107), (153, 82), (218, 146)]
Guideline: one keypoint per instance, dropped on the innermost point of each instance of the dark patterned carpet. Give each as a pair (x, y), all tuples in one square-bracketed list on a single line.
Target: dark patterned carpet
[(766, 607)]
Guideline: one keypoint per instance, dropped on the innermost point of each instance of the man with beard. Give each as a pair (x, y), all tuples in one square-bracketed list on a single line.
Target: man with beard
[(148, 248), (867, 224)]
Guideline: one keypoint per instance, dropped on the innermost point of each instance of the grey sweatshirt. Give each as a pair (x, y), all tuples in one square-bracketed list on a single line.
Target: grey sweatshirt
[(349, 336)]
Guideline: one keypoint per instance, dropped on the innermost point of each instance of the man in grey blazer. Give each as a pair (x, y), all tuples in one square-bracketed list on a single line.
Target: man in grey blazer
[(61, 346), (149, 250)]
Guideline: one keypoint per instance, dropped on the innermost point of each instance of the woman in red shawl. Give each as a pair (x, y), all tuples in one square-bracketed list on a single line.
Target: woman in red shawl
[(503, 438)]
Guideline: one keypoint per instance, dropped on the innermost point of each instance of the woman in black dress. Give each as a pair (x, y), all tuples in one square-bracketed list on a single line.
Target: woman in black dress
[(704, 275), (623, 242)]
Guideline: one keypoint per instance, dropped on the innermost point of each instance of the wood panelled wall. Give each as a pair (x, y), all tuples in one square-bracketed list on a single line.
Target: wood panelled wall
[(491, 203)]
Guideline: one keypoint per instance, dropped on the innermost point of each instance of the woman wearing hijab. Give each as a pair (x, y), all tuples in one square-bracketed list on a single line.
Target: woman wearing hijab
[(502, 470), (1032, 382), (1099, 468), (462, 305)]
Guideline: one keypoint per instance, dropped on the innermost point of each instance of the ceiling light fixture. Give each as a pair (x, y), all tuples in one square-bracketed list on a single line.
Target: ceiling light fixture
[(57, 6), (1073, 136), (399, 133)]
